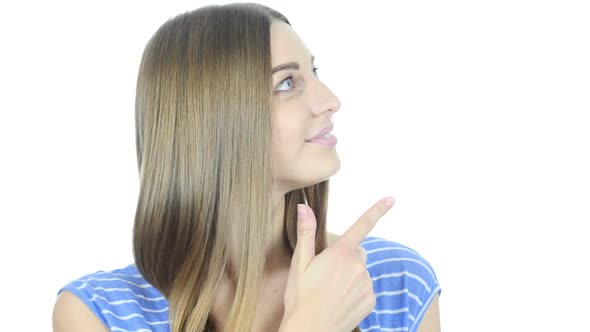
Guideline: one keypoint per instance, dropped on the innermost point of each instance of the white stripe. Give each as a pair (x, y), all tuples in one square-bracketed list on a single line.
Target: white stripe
[(411, 317), (128, 317), (396, 311), (392, 248), (403, 259), (94, 297), (161, 298), (374, 240), (391, 242), (115, 329), (410, 295), (120, 274), (399, 274), (146, 285), (405, 290), (379, 328)]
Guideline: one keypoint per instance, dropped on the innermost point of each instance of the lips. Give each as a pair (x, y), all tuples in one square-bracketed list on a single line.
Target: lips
[(322, 132)]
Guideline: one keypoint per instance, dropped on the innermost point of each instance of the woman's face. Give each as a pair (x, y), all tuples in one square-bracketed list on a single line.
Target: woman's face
[(302, 107)]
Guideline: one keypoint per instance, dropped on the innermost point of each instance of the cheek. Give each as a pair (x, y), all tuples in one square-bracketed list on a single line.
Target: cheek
[(289, 130), (287, 141)]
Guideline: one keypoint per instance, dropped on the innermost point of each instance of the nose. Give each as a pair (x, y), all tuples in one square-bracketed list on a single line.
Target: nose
[(323, 100)]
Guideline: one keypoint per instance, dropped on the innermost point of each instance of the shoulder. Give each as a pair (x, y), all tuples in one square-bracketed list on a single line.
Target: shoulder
[(384, 255), (120, 299), (71, 314), (404, 282)]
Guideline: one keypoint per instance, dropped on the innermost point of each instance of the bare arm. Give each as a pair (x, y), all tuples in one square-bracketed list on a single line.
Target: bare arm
[(70, 314), (431, 320)]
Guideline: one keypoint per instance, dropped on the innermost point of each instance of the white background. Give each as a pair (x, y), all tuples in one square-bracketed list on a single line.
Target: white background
[(473, 114)]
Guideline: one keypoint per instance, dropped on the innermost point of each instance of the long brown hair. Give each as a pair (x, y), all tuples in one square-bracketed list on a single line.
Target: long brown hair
[(203, 115)]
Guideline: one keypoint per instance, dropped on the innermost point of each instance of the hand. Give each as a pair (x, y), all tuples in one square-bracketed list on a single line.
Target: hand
[(332, 291)]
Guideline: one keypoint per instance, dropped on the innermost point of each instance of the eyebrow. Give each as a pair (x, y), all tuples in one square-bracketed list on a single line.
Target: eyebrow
[(289, 65)]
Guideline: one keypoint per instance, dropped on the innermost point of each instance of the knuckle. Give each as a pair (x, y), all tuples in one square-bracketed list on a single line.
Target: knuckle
[(369, 301), (360, 269), (342, 244), (362, 252), (340, 260), (367, 290), (367, 293), (307, 229), (343, 252), (372, 300)]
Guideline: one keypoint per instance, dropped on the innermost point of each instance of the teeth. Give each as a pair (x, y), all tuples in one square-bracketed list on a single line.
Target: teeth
[(328, 135)]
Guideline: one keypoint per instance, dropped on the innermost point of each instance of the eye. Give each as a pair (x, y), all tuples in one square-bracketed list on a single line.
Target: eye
[(288, 79)]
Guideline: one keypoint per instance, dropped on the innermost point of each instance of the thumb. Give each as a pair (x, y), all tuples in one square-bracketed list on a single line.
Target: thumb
[(305, 246)]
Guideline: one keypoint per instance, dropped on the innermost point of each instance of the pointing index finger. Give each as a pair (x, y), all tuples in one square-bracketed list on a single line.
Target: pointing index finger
[(354, 236)]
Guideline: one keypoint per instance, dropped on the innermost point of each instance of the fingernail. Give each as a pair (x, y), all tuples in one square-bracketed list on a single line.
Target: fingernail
[(301, 210), (389, 201)]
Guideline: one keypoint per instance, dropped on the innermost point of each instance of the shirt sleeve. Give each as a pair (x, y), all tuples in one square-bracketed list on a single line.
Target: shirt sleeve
[(405, 284)]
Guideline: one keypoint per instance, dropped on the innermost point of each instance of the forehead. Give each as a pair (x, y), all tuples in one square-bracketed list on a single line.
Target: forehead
[(285, 44)]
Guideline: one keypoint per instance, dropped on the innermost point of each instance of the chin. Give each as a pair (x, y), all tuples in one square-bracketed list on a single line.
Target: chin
[(305, 173), (323, 172)]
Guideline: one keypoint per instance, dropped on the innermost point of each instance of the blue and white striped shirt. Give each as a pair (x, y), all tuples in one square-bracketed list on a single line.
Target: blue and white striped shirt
[(403, 281)]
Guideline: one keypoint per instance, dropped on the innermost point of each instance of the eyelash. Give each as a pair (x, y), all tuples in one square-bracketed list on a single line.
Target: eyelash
[(314, 69)]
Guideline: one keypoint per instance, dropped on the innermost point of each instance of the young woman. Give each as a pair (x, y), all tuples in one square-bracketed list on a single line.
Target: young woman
[(233, 135)]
